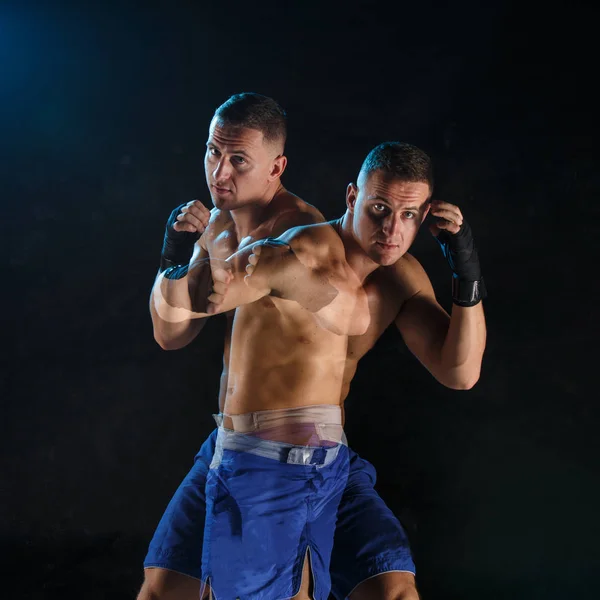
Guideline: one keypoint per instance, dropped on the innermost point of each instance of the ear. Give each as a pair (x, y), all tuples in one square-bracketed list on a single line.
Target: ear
[(426, 211), (351, 195), (278, 167)]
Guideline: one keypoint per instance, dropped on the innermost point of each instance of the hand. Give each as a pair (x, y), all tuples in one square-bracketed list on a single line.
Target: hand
[(449, 218), (454, 236), (221, 278), (185, 225), (275, 250), (253, 261), (193, 218)]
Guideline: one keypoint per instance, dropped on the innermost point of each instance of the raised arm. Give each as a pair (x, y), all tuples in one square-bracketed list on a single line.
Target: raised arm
[(178, 302), (243, 279), (227, 290), (186, 285), (451, 347), (307, 265), (285, 268)]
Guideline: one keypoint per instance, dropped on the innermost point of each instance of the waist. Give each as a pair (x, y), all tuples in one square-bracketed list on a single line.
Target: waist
[(315, 455), (306, 425)]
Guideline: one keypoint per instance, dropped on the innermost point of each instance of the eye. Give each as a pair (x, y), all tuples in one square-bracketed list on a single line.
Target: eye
[(213, 151), (409, 214), (379, 207), (238, 160)]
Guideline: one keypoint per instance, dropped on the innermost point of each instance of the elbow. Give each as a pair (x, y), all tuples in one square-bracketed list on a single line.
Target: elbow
[(175, 338), (460, 379), (168, 344), (464, 382)]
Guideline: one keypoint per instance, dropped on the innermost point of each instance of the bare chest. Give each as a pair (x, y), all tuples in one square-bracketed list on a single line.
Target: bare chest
[(224, 241), (384, 304)]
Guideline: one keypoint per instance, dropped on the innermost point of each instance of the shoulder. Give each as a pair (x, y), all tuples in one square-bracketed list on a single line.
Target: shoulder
[(316, 245), (321, 236), (288, 210), (408, 276)]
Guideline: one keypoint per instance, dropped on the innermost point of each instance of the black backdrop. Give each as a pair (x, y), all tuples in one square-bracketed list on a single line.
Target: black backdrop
[(103, 116)]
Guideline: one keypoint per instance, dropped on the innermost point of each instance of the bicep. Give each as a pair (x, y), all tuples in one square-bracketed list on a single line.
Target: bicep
[(423, 324)]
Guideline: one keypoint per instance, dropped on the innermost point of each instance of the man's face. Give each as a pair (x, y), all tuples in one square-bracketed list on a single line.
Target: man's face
[(386, 215), (239, 165)]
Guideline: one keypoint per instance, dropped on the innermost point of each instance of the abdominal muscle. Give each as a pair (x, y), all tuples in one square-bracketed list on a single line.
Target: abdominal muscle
[(263, 379), (282, 359)]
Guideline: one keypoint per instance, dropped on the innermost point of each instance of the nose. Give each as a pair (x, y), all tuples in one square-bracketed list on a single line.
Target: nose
[(222, 171), (391, 226)]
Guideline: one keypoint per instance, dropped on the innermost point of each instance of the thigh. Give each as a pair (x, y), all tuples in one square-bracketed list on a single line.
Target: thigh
[(177, 541), (163, 584), (369, 539)]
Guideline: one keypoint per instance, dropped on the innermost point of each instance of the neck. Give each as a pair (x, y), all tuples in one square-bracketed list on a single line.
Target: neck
[(356, 258), (249, 217)]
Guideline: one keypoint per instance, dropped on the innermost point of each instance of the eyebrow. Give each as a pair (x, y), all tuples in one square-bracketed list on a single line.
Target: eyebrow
[(413, 208), (243, 152)]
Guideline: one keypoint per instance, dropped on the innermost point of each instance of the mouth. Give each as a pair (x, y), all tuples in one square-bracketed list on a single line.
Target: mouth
[(385, 246), (221, 191)]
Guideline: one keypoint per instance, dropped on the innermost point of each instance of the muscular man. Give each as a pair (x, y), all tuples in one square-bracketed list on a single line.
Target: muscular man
[(281, 466), (244, 162)]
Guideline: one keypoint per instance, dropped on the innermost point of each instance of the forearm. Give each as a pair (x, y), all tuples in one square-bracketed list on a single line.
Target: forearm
[(173, 336), (180, 299), (174, 320), (463, 347)]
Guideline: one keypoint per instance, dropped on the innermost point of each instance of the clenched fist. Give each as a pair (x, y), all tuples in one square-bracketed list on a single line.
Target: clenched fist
[(454, 236), (221, 278), (184, 226), (193, 217)]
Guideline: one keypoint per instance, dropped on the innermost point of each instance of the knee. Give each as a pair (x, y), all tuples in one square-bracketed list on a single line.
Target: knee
[(146, 593), (408, 594), (151, 588), (162, 584), (392, 585)]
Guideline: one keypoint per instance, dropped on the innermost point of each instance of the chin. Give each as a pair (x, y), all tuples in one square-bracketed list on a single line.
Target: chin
[(217, 202), (224, 204), (387, 259)]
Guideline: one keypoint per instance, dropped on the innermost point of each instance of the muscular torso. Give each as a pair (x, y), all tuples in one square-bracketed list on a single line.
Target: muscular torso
[(221, 241), (284, 359), (277, 355)]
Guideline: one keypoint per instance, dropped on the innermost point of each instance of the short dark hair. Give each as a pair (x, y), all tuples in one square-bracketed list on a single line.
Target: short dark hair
[(400, 160), (255, 111)]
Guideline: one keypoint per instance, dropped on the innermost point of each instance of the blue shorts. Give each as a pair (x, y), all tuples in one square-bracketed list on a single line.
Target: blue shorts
[(268, 504), (369, 539)]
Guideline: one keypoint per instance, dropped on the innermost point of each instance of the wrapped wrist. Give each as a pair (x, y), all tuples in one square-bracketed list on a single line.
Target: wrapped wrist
[(468, 293), (178, 246)]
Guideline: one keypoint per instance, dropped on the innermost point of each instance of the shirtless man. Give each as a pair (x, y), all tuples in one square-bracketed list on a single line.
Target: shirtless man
[(244, 162), (280, 448)]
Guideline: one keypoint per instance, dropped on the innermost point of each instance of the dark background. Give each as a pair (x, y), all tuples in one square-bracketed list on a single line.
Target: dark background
[(103, 118)]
